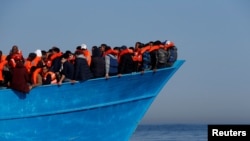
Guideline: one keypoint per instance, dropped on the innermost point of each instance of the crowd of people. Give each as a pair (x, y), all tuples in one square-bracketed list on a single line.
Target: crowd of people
[(56, 67)]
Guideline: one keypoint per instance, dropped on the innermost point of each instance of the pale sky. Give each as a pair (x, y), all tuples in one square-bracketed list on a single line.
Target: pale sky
[(213, 36)]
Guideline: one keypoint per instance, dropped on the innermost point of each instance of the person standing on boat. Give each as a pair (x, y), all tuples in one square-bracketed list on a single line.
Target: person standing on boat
[(111, 62), (55, 59), (44, 59), (71, 57), (20, 77), (97, 65), (29, 62), (126, 63), (137, 57), (82, 70), (86, 53), (102, 49), (67, 70)]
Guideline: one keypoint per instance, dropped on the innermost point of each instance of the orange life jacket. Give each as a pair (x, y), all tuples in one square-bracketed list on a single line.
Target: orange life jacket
[(2, 64), (110, 51), (144, 49), (3, 57), (87, 54), (27, 65), (161, 46), (135, 56), (14, 57), (154, 47), (53, 77), (125, 51), (53, 56), (36, 60), (34, 75), (48, 63)]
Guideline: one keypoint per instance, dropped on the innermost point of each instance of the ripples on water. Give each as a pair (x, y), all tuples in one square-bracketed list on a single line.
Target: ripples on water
[(173, 132)]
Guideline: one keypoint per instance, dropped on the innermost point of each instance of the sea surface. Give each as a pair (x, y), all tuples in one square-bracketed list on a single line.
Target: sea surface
[(170, 132)]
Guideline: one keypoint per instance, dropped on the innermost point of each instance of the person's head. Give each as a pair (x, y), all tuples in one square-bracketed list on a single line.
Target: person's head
[(94, 47), (151, 43), (14, 49), (38, 53), (44, 55), (107, 48), (32, 56), (78, 48), (78, 52), (96, 52), (157, 42), (83, 46), (45, 68), (102, 47), (64, 57), (137, 44), (70, 54), (123, 47), (55, 50), (117, 49), (132, 48)]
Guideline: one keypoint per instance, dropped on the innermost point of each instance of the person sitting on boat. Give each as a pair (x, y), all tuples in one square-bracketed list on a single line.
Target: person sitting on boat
[(20, 77), (97, 65), (72, 57), (67, 70), (82, 70), (36, 77), (48, 77)]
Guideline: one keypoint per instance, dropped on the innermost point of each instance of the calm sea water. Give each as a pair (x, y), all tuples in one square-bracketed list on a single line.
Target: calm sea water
[(173, 132)]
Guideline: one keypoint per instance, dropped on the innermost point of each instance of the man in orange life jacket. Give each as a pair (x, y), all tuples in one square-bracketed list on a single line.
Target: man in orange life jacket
[(48, 77), (86, 53), (67, 71), (55, 59), (29, 62)]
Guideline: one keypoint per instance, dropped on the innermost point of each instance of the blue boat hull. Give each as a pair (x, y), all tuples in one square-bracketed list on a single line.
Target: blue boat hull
[(98, 109)]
